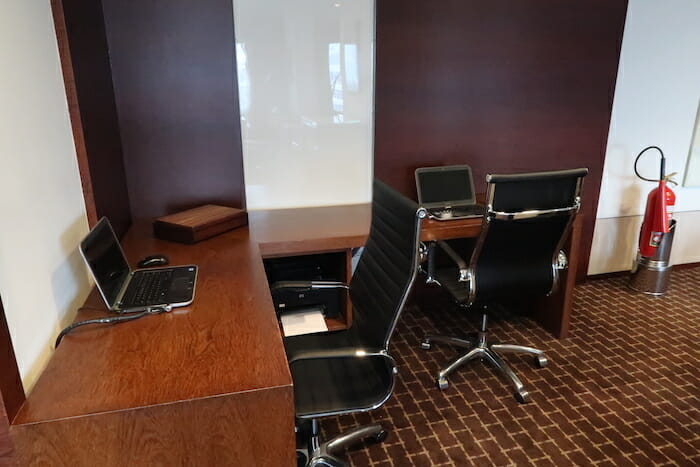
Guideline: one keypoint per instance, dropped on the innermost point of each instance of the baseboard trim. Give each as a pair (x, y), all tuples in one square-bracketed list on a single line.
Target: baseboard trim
[(607, 275), (686, 265), (611, 275)]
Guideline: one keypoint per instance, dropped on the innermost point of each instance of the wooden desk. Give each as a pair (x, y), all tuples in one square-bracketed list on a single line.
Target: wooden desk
[(204, 385), (207, 384)]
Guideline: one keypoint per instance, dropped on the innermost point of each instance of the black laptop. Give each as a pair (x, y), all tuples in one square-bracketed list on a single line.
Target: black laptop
[(447, 192), (125, 290)]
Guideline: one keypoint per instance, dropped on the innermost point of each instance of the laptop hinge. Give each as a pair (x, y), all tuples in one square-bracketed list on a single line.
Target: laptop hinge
[(118, 302)]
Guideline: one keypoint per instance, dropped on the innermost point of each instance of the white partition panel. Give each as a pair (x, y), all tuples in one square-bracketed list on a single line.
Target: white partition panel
[(306, 85), (43, 279), (656, 103)]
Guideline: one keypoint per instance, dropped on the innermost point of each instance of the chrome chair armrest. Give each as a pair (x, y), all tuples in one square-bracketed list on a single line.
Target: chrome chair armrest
[(464, 273), (307, 285), (561, 261), (427, 255)]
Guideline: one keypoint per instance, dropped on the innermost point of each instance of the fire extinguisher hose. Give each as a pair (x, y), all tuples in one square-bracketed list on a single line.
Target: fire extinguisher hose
[(662, 174)]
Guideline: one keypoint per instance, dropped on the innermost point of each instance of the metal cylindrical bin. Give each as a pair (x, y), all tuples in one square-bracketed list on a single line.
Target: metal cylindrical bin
[(650, 275)]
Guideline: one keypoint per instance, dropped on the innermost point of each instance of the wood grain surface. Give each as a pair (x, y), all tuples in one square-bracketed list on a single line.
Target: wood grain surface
[(7, 450), (74, 109), (207, 371), (504, 86), (432, 229), (11, 388), (285, 232), (80, 32), (201, 217), (200, 223), (207, 384), (227, 341), (254, 428)]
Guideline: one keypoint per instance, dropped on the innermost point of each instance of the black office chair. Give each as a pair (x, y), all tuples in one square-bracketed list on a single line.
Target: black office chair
[(518, 253), (352, 371)]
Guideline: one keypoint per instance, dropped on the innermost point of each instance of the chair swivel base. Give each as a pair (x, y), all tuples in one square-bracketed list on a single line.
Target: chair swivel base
[(480, 349), (326, 454)]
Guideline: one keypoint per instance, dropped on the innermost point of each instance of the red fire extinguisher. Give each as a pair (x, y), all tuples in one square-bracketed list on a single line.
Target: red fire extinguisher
[(659, 210)]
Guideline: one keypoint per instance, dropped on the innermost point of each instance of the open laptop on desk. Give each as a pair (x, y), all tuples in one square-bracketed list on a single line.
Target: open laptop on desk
[(448, 192), (125, 290)]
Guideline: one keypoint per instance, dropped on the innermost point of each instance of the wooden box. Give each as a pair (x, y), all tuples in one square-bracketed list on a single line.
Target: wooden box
[(198, 224)]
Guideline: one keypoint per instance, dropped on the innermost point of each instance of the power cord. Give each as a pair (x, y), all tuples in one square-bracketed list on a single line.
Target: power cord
[(112, 320)]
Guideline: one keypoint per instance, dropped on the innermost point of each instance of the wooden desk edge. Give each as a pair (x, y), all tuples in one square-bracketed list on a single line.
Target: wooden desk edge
[(275, 249)]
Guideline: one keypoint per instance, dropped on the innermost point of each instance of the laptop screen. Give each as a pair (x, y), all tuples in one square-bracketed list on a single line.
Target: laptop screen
[(445, 184), (104, 256)]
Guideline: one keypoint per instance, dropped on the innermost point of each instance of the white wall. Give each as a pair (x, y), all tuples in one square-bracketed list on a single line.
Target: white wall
[(306, 84), (42, 278), (656, 100)]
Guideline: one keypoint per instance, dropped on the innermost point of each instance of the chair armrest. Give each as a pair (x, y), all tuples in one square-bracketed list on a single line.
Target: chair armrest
[(461, 263), (307, 285), (561, 262), (341, 352)]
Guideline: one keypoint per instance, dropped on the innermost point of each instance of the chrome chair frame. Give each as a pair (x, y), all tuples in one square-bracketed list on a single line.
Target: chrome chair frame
[(479, 347)]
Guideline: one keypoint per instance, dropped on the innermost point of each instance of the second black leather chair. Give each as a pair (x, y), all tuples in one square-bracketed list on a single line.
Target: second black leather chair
[(518, 253)]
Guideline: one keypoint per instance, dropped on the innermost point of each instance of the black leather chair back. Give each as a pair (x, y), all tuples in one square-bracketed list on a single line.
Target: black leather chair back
[(528, 218), (388, 265)]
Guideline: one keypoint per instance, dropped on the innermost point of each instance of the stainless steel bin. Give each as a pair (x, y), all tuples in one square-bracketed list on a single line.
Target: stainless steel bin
[(650, 275)]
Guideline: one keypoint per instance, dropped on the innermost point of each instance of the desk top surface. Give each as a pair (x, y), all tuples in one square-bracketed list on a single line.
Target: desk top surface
[(226, 342)]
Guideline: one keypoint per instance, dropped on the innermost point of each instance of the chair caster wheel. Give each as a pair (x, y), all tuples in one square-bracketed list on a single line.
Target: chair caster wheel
[(442, 383), (301, 459), (540, 361), (381, 436), (522, 397), (425, 345)]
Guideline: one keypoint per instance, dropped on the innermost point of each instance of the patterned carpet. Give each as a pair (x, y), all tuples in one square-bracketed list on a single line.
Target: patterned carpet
[(623, 389)]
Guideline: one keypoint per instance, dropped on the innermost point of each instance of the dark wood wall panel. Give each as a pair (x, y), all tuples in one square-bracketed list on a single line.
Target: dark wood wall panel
[(11, 389), (174, 74), (86, 69), (504, 85), (7, 456)]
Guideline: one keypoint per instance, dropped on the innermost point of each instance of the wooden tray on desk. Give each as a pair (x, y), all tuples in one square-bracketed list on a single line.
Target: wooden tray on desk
[(195, 225)]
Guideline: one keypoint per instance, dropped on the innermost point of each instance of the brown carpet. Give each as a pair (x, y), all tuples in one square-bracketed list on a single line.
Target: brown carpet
[(623, 389)]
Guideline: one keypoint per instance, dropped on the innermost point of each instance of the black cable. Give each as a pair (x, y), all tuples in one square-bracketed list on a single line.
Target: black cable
[(663, 164), (110, 320)]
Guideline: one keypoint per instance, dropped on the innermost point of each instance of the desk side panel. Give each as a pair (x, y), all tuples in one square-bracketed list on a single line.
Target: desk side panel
[(432, 230), (6, 445), (251, 428), (554, 312)]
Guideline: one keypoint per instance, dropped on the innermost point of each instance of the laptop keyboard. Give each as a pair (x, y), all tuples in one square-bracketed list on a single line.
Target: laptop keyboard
[(441, 212), (475, 210), (148, 288)]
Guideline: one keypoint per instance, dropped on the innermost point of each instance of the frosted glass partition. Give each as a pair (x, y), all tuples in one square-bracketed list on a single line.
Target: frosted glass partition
[(692, 172), (306, 85)]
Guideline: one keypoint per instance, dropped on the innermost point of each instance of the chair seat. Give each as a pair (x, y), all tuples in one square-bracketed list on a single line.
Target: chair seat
[(321, 341), (326, 386), (336, 384), (330, 385)]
